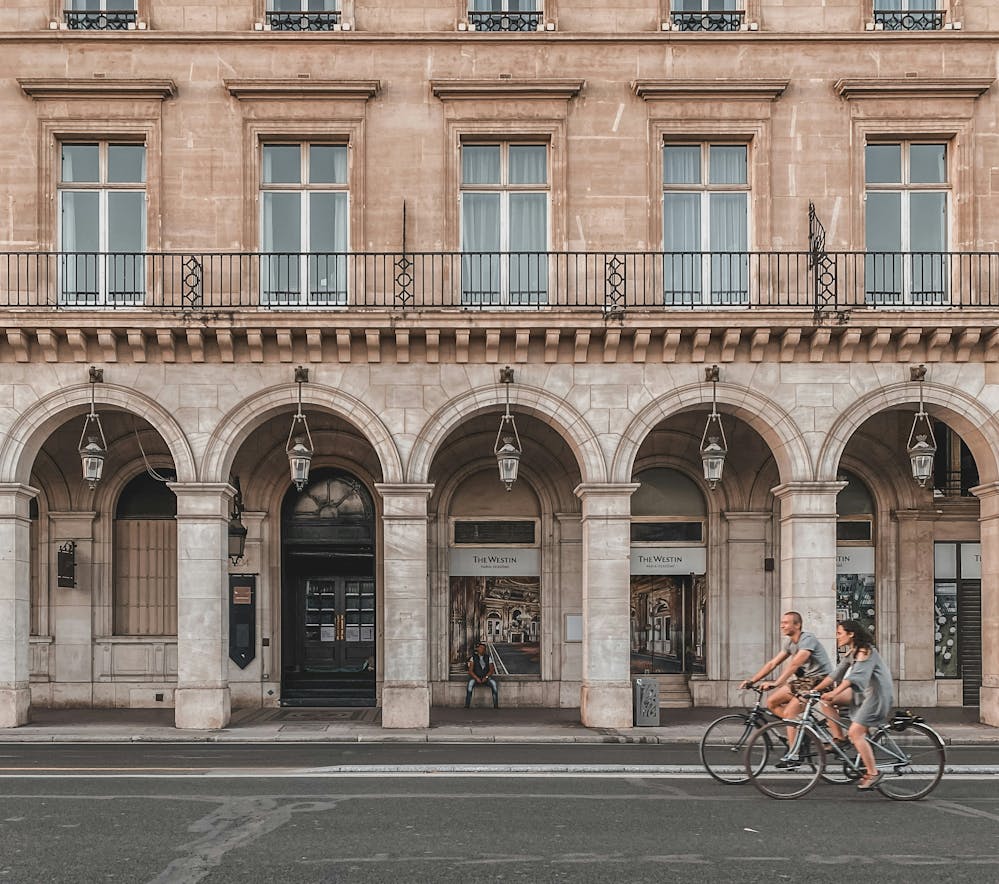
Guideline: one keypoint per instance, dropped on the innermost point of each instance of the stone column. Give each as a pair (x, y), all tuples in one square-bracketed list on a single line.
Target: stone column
[(202, 696), (73, 612), (914, 667), (808, 555), (15, 603), (988, 496), (605, 699), (406, 679)]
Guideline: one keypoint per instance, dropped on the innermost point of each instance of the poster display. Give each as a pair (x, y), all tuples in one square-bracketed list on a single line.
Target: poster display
[(945, 629), (668, 628), (495, 597), (855, 594)]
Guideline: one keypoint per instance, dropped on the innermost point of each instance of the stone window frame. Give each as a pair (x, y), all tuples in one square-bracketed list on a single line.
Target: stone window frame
[(548, 10), (952, 10), (960, 172), (552, 132), (257, 132), (57, 18), (53, 133), (346, 9), (751, 20)]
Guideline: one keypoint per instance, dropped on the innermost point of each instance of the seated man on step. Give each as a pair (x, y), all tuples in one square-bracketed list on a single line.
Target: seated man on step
[(481, 670)]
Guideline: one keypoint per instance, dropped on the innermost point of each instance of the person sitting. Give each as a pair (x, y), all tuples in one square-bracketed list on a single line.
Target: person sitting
[(481, 670)]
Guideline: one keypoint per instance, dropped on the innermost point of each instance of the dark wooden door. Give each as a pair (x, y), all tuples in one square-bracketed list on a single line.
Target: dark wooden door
[(337, 623)]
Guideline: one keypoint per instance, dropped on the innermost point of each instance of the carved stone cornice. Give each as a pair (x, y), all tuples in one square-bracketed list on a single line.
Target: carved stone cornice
[(300, 87), (913, 87), (74, 87), (738, 89), (456, 90)]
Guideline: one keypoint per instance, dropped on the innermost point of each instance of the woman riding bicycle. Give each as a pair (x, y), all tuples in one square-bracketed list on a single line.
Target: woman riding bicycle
[(862, 682)]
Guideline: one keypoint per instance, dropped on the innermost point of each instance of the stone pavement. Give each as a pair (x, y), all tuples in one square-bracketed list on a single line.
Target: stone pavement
[(957, 726)]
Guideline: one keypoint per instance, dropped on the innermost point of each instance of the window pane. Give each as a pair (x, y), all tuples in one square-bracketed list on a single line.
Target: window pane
[(883, 163), (281, 222), (328, 222), (81, 163), (682, 164), (80, 222), (282, 164), (529, 233), (328, 164), (928, 221), (480, 233), (883, 220), (928, 163), (682, 222), (729, 241), (528, 164), (727, 164), (126, 222), (480, 164), (126, 163)]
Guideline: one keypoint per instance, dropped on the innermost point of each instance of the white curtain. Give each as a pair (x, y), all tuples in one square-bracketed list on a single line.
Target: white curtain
[(480, 239), (682, 245), (928, 241), (529, 234), (328, 243), (883, 264), (729, 243), (80, 241), (126, 244), (282, 243)]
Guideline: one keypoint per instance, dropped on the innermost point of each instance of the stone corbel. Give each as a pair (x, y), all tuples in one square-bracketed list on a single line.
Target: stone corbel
[(433, 338), (582, 344), (492, 345), (255, 342), (164, 338), (819, 342), (402, 345), (906, 342), (939, 339), (992, 347), (522, 344), (196, 344), (461, 337), (373, 339), (699, 346), (758, 347), (285, 345), (18, 341), (879, 340), (223, 337), (789, 344), (730, 343), (314, 344), (137, 341), (108, 342), (640, 345), (343, 345), (671, 343), (612, 339), (966, 343), (848, 343), (77, 340), (552, 337), (49, 344)]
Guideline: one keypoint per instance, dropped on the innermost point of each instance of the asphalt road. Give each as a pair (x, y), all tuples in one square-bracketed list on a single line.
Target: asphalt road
[(184, 814)]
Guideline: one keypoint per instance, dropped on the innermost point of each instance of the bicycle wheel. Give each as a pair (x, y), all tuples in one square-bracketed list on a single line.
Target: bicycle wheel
[(783, 782), (723, 747), (911, 760)]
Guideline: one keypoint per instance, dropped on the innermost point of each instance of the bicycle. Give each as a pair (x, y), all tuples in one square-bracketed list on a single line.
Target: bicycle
[(724, 742), (907, 751)]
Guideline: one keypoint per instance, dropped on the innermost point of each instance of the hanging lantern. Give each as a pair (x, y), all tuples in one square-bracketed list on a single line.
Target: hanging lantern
[(714, 448), (237, 530), (922, 445), (507, 447), (299, 447), (93, 446)]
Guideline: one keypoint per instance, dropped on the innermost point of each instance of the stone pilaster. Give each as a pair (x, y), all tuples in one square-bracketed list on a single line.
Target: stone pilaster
[(605, 698), (15, 603), (202, 696), (913, 667), (988, 495), (808, 555), (406, 685), (72, 611)]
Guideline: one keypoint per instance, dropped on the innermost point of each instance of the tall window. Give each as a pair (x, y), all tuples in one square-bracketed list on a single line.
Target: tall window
[(504, 223), (505, 15), (100, 15), (707, 15), (102, 228), (906, 223), (909, 15), (705, 224), (304, 224), (303, 15)]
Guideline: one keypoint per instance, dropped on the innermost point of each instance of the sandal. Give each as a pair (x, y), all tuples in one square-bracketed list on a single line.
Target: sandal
[(868, 782)]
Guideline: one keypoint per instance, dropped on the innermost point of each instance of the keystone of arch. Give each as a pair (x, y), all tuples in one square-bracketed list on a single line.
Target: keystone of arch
[(28, 433), (562, 417), (773, 423), (234, 429), (975, 424)]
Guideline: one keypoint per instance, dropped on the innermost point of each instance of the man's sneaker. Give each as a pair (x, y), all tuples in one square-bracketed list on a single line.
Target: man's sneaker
[(788, 762)]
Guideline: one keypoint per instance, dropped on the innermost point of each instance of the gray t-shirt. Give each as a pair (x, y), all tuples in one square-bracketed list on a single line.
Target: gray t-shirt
[(818, 662), (872, 688)]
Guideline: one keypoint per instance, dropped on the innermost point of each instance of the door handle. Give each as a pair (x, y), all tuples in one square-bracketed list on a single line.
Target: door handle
[(340, 629)]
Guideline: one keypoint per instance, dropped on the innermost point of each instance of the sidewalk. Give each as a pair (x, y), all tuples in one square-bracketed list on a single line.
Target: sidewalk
[(957, 727)]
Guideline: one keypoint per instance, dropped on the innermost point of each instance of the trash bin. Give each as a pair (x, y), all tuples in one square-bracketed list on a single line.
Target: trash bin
[(646, 702)]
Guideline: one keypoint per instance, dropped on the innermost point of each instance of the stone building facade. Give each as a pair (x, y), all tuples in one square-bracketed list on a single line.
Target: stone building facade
[(202, 198)]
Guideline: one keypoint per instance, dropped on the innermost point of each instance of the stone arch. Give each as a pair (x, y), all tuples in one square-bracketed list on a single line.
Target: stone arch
[(562, 417), (28, 433), (236, 426), (776, 427), (973, 421)]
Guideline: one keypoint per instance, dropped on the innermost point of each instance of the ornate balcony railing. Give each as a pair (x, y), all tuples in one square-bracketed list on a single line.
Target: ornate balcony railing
[(107, 20), (909, 19), (505, 21), (612, 282), (707, 20), (303, 20)]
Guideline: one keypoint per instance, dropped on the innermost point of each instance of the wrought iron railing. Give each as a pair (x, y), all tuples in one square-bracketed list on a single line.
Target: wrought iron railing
[(106, 20), (707, 20), (613, 282), (909, 19), (505, 21), (303, 20)]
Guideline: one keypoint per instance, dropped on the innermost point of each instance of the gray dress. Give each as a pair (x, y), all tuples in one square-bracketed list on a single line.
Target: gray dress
[(872, 696)]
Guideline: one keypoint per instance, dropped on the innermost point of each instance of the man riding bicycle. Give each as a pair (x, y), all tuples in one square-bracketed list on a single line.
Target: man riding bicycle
[(808, 664)]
